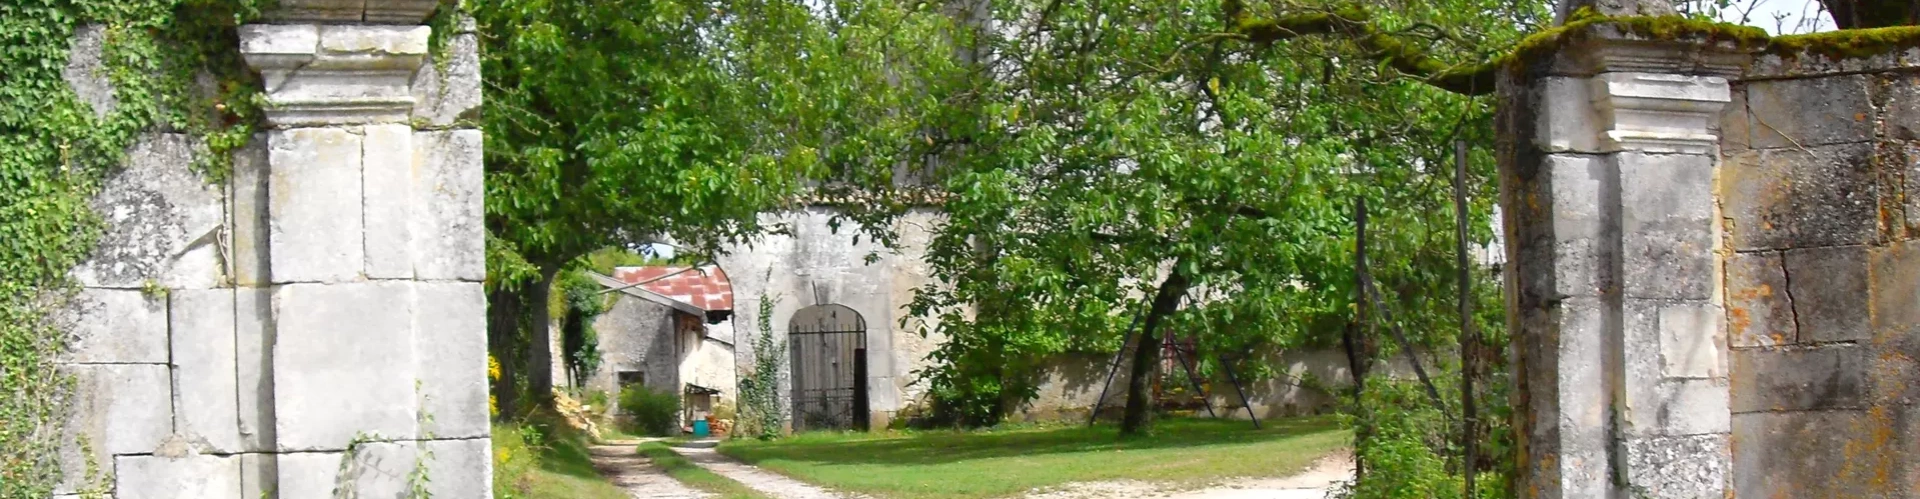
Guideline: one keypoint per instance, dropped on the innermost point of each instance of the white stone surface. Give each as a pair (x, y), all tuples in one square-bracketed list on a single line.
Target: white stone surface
[(375, 470), (117, 409), (343, 364), (259, 475), (448, 88), (450, 342), (449, 189), (460, 468), (315, 229), (163, 221), (247, 215), (84, 72), (190, 477), (345, 74), (205, 374), (253, 340), (388, 185), (1691, 339), (115, 326), (1564, 127), (384, 11), (1658, 112)]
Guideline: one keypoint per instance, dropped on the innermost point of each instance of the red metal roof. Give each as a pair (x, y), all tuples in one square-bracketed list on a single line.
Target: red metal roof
[(706, 287)]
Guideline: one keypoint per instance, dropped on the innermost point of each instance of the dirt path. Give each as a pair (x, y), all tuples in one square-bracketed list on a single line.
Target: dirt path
[(622, 465), (767, 482), (1313, 483)]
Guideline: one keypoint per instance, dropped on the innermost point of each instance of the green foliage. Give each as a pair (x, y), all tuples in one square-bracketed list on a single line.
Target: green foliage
[(761, 413), (652, 412), (55, 150), (582, 302)]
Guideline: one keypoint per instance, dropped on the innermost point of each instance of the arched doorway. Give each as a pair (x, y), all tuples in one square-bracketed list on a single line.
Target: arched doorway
[(828, 344)]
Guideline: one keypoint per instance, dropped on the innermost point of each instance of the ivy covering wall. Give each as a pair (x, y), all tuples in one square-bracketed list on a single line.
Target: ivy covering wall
[(162, 64)]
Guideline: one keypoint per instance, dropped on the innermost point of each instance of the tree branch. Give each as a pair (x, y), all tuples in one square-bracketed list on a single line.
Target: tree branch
[(1472, 79)]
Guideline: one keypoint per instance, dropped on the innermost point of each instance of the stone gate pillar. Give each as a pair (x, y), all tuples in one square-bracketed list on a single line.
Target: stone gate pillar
[(368, 257), (1608, 160)]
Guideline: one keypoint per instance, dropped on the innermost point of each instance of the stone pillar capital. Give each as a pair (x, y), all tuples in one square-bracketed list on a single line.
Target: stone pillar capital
[(330, 74), (354, 11), (1663, 113)]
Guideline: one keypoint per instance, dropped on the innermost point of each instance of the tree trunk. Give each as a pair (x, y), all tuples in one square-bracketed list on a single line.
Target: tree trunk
[(1853, 14), (540, 359), (504, 321), (1139, 397)]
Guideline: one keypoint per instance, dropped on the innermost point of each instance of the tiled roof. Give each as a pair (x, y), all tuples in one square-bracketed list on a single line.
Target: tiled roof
[(706, 287)]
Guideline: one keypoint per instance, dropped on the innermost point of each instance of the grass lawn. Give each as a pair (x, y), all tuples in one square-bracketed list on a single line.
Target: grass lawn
[(695, 476), (1001, 463)]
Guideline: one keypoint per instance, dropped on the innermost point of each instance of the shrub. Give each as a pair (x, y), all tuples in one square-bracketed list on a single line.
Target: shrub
[(652, 412)]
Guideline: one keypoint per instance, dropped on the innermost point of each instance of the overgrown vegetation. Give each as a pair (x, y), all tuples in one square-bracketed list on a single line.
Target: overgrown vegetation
[(761, 413), (650, 411), (542, 459), (56, 147)]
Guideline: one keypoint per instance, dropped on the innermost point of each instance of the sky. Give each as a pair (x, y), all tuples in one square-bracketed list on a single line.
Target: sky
[(1780, 17)]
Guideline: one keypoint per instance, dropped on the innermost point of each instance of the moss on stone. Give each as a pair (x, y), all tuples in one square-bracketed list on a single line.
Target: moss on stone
[(1848, 44)]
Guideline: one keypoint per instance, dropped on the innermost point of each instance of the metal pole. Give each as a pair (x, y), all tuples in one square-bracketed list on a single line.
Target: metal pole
[(1228, 366), (1193, 379), (1113, 368), (1469, 417)]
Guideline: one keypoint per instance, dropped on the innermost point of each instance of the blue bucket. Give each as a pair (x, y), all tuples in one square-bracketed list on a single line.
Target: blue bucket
[(700, 428)]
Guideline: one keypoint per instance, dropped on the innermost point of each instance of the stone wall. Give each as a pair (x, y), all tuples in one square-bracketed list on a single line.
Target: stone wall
[(1823, 275), (237, 339), (634, 335), (814, 264)]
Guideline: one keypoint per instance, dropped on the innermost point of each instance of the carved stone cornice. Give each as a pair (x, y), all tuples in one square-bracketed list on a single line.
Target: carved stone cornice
[(318, 75), (353, 11), (1658, 112)]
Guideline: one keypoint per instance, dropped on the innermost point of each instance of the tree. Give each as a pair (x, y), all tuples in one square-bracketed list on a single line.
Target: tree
[(1169, 159), (616, 123)]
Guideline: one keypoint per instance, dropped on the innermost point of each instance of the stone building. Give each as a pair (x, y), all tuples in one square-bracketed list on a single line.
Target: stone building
[(670, 329)]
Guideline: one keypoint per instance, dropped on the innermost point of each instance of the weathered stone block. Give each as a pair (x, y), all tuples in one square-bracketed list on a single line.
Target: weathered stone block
[(1666, 225), (189, 477), (450, 342), (460, 468), (1896, 295), (253, 345), (1683, 467), (343, 364), (1691, 342), (1909, 171), (449, 90), (1836, 194), (388, 162), (1733, 128), (374, 469), (1814, 454), (449, 189), (163, 221), (1759, 309), (205, 371), (259, 475), (1829, 288), (117, 409), (1566, 128), (1657, 112), (316, 218), (1826, 377), (1810, 112), (1678, 407), (115, 326), (1758, 202), (1902, 118), (248, 215), (85, 73)]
